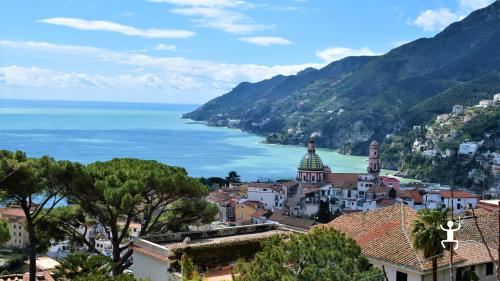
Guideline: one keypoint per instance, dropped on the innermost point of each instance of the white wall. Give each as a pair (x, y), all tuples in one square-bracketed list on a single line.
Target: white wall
[(391, 271), (147, 267), (266, 196), (442, 275)]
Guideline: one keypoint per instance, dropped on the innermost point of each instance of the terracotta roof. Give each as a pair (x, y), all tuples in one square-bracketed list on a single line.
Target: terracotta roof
[(385, 234), (474, 252), (149, 252), (254, 204), (291, 221), (259, 213), (12, 212), (274, 186), (378, 189), (384, 202), (311, 185), (342, 179), (489, 205), (289, 183), (414, 194), (487, 222), (388, 179), (457, 194)]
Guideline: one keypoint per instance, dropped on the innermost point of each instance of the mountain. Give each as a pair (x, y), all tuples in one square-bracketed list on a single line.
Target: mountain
[(350, 102)]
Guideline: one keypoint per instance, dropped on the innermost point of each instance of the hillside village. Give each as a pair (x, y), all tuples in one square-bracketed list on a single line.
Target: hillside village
[(466, 138), (249, 213), (298, 202)]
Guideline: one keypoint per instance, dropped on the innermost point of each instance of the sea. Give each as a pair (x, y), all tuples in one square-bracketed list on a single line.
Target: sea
[(98, 131)]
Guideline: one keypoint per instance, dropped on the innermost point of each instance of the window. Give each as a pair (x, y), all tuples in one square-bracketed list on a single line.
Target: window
[(473, 267), (15, 226), (459, 206), (401, 276), (489, 268)]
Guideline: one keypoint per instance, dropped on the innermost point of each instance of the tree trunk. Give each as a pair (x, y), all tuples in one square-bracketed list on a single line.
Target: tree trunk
[(434, 269), (32, 248)]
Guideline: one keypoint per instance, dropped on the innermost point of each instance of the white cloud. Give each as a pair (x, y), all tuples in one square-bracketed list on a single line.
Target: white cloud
[(266, 40), (165, 47), (337, 53), (221, 19), (438, 19), (217, 14), (100, 25), (430, 20), (176, 74), (204, 3), (474, 4)]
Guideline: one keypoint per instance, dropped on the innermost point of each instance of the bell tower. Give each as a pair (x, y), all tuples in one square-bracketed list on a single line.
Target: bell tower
[(373, 161)]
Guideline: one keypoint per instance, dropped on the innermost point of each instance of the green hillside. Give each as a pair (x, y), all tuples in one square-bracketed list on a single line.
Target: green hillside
[(349, 102)]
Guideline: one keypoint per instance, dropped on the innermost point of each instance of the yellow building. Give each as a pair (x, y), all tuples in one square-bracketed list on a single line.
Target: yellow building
[(244, 211), (15, 218)]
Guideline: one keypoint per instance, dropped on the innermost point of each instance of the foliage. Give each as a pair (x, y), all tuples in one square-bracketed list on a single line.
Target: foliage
[(469, 275), (427, 234), (77, 265), (187, 269), (324, 215), (4, 231), (104, 277), (213, 255), (356, 97), (121, 191), (233, 177), (321, 255), (337, 214), (36, 185)]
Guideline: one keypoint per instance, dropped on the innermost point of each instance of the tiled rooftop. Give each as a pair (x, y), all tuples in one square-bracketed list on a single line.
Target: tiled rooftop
[(385, 234)]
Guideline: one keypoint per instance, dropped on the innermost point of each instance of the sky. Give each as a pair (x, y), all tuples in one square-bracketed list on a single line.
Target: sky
[(190, 51)]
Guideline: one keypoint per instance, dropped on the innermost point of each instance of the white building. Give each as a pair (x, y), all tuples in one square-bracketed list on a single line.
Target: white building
[(468, 148), (156, 257), (486, 103), (496, 97), (271, 195), (457, 109), (462, 200)]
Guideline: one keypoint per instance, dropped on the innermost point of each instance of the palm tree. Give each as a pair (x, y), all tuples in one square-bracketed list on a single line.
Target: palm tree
[(427, 234)]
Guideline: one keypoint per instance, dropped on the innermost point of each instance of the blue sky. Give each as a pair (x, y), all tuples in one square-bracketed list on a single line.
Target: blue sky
[(190, 51)]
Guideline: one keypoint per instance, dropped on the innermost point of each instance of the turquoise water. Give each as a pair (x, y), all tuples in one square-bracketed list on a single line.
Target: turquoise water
[(91, 131)]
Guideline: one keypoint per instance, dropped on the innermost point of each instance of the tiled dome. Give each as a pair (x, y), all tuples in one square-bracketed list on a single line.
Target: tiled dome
[(311, 162)]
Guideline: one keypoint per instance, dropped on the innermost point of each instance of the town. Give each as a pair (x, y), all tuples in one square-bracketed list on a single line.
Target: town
[(250, 140), (375, 210)]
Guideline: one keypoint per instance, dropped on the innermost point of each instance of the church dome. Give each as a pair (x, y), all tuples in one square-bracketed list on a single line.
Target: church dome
[(311, 162)]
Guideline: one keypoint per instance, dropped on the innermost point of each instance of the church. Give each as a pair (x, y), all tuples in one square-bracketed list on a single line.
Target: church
[(348, 192)]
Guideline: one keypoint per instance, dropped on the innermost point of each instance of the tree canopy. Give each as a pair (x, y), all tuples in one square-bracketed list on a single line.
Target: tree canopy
[(37, 186), (321, 255), (4, 232), (121, 191)]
